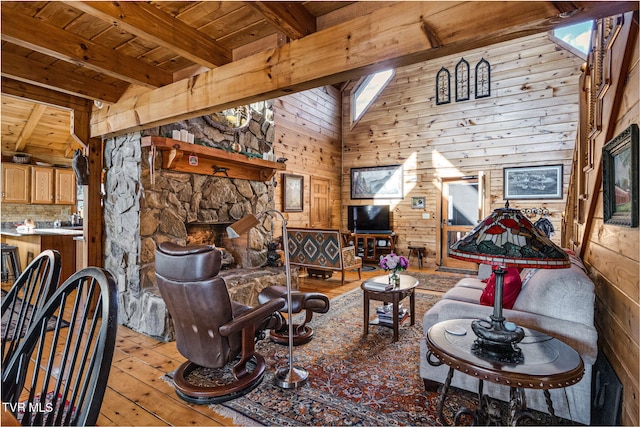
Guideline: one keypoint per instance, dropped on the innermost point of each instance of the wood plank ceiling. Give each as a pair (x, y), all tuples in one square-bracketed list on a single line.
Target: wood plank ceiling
[(100, 51)]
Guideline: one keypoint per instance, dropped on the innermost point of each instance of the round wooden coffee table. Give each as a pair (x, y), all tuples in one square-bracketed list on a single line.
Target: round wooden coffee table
[(406, 288), (548, 364)]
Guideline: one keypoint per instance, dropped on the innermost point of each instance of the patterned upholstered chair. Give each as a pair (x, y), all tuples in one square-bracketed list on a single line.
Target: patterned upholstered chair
[(322, 249)]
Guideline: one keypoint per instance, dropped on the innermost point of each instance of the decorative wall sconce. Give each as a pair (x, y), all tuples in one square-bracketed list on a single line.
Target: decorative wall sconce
[(462, 80), (443, 89), (483, 79)]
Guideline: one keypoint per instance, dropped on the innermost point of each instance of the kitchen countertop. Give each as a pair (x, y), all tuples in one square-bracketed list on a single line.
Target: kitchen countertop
[(43, 232)]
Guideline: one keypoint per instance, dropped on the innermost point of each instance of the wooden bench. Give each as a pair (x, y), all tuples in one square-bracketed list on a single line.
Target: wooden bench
[(322, 249)]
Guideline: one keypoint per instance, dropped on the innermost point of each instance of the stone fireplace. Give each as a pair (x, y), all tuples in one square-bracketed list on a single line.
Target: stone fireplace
[(145, 205)]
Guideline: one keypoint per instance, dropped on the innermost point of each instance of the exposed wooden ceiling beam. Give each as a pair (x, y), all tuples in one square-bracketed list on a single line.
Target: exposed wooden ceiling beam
[(289, 17), (32, 122), (34, 34), (389, 37), (54, 77), (151, 23), (18, 89)]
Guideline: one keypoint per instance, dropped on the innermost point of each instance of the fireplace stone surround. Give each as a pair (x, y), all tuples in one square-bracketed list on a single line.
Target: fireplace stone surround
[(139, 215)]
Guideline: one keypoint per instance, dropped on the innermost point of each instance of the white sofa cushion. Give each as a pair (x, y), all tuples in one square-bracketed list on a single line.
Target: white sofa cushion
[(569, 287)]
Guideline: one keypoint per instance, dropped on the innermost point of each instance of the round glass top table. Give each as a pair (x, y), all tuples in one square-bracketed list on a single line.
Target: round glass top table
[(372, 291), (548, 363)]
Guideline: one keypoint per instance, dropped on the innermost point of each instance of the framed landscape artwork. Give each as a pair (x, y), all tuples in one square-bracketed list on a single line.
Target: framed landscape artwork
[(292, 193), (378, 182), (536, 182), (620, 179)]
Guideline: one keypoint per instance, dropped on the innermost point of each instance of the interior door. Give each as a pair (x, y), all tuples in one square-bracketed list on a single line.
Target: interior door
[(320, 205), (461, 209)]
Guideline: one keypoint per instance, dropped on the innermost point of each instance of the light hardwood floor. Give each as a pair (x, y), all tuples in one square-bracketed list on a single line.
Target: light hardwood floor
[(136, 394)]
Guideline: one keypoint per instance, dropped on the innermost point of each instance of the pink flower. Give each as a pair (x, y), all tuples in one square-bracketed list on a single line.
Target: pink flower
[(394, 262)]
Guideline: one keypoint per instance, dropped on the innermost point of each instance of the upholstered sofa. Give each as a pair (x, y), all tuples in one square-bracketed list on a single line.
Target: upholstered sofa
[(557, 302), (321, 249)]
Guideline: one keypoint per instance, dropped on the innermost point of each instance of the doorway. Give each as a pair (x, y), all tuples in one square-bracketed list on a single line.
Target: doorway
[(320, 206), (461, 209)]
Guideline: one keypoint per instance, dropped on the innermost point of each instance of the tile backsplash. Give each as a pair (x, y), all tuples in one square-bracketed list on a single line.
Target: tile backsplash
[(18, 212)]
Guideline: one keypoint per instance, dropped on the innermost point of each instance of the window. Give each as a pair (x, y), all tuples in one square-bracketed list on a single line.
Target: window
[(367, 92), (578, 35)]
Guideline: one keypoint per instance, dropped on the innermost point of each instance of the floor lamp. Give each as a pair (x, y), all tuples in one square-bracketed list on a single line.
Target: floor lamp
[(291, 377)]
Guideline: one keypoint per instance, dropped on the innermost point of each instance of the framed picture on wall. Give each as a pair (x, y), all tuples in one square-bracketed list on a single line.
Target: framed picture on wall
[(620, 179), (378, 182), (535, 182), (292, 193), (417, 203)]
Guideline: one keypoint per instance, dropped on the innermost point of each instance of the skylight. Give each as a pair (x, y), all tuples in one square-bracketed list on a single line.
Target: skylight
[(368, 90), (578, 35)]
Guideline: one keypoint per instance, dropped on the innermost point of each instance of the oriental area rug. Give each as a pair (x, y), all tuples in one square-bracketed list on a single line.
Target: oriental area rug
[(434, 282), (353, 380), (10, 319)]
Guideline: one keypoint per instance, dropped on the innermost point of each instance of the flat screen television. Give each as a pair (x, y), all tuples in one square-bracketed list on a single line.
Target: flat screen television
[(369, 219)]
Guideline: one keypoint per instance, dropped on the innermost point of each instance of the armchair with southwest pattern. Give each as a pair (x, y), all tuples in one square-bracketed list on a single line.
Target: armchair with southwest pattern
[(322, 249)]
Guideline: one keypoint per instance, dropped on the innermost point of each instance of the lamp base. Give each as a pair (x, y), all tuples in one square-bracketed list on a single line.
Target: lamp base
[(291, 377), (497, 340)]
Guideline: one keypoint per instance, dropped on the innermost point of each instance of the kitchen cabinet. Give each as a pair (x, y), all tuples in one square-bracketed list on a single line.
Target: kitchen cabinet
[(52, 185), (42, 185), (15, 182), (65, 186), (370, 247)]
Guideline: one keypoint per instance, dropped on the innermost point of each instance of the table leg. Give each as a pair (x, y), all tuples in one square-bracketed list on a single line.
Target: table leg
[(547, 398), (366, 312), (412, 306), (518, 407), (396, 311), (443, 395)]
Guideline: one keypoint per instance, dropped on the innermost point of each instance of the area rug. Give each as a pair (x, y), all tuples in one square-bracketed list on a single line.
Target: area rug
[(51, 324), (434, 282), (353, 379)]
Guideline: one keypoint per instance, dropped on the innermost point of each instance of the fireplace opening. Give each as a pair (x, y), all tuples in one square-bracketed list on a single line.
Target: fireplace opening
[(214, 234)]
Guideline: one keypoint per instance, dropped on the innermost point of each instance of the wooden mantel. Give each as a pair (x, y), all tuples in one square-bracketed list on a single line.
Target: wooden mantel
[(211, 161)]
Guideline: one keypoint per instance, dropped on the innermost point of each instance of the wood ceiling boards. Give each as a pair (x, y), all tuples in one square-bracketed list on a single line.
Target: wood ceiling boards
[(64, 53)]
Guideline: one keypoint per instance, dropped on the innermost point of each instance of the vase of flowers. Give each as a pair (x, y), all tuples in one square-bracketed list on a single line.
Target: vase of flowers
[(393, 264)]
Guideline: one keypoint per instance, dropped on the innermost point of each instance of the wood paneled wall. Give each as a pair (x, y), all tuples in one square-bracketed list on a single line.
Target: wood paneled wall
[(612, 253), (530, 119), (308, 134)]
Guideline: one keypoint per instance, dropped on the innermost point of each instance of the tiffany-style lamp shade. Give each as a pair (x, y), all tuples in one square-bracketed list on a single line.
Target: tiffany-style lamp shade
[(506, 238)]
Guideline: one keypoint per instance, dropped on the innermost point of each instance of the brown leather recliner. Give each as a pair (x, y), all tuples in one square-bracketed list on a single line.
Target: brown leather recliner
[(211, 330)]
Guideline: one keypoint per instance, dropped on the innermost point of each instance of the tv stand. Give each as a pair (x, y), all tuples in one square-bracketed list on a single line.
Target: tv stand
[(371, 246)]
